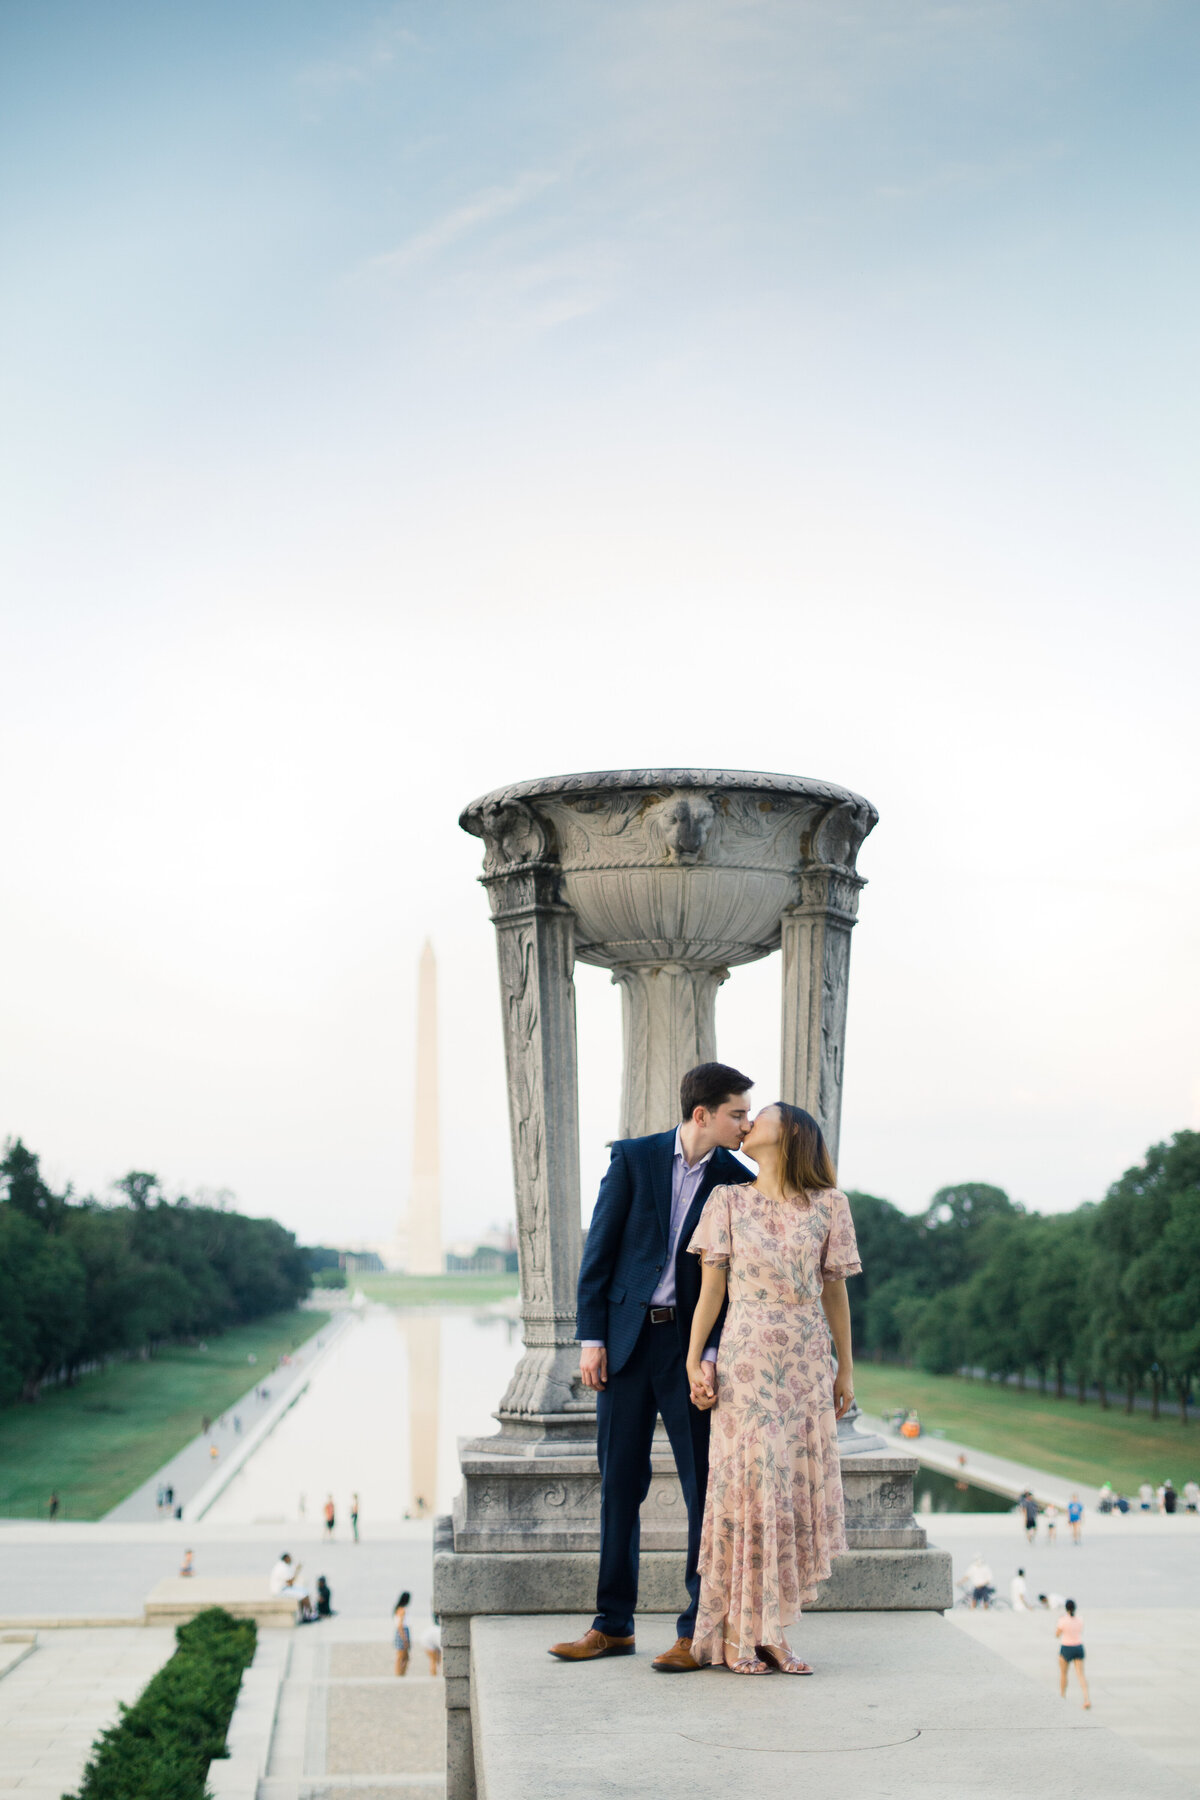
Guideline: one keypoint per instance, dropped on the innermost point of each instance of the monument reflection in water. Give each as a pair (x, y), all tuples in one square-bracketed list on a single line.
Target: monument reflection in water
[(382, 1418)]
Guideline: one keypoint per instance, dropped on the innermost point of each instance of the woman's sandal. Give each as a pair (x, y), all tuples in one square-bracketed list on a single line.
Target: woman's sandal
[(787, 1665), (749, 1665)]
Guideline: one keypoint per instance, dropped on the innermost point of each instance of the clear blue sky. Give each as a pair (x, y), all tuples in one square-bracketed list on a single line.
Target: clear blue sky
[(399, 400)]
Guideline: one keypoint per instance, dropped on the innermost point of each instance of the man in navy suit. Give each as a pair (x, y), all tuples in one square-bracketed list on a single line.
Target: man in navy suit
[(638, 1289)]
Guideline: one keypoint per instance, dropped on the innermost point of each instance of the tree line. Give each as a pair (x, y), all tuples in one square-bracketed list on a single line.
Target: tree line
[(81, 1282), (1106, 1296)]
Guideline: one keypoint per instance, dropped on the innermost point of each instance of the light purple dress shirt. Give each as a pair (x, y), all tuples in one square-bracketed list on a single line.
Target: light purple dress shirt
[(685, 1181)]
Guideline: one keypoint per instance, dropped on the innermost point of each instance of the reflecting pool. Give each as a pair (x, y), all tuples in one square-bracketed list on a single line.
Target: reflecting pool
[(934, 1492), (381, 1418)]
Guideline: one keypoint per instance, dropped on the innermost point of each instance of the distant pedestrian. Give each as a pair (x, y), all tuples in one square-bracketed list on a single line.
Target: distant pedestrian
[(303, 1504), (329, 1515), (1069, 1633), (187, 1566), (1017, 1594), (1170, 1499), (1050, 1514), (54, 1504), (237, 1426), (324, 1599), (204, 1425), (1191, 1496), (431, 1643), (401, 1635), (1029, 1509), (1051, 1602), (170, 1494), (213, 1453), (979, 1582), (1145, 1496), (1075, 1515), (354, 1516)]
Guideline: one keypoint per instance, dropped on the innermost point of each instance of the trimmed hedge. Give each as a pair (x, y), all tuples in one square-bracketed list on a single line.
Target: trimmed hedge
[(161, 1746)]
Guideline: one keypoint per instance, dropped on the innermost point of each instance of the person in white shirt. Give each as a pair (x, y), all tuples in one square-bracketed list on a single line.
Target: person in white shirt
[(431, 1644), (1145, 1496), (1017, 1594), (1191, 1496), (979, 1582), (285, 1579)]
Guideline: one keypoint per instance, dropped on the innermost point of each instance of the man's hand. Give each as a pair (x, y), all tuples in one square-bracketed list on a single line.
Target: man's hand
[(593, 1367), (703, 1383)]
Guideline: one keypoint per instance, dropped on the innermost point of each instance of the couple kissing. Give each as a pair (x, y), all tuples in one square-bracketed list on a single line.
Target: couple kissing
[(710, 1296)]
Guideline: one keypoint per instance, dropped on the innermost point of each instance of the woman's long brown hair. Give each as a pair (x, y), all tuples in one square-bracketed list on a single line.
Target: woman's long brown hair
[(805, 1165)]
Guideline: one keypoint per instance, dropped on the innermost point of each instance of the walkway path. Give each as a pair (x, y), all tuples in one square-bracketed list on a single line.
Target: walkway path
[(1134, 1658), (998, 1473), (55, 1702), (77, 1570), (194, 1465), (343, 1712)]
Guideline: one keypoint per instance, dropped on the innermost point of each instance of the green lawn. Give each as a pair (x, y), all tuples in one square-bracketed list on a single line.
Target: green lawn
[(1081, 1443), (99, 1440), (438, 1290)]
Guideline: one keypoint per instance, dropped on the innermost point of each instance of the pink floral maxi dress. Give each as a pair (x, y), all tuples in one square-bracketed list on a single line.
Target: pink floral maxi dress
[(773, 1514)]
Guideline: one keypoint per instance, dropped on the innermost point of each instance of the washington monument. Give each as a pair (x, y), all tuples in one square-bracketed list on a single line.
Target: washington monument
[(424, 1236)]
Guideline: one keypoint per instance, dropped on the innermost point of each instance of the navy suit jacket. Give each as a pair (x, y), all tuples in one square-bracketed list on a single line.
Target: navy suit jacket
[(628, 1240)]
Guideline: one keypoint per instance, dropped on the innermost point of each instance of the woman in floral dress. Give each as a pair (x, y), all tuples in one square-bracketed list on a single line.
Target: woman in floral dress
[(782, 1247)]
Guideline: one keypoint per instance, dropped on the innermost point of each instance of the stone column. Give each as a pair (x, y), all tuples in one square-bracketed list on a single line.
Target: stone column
[(815, 937), (668, 1014), (535, 945)]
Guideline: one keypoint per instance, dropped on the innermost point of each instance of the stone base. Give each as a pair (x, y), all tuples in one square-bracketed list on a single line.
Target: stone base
[(525, 1539), (904, 1580), (538, 1495), (557, 1582)]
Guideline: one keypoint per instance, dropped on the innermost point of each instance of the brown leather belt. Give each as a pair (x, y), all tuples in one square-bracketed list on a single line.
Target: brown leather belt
[(661, 1315)]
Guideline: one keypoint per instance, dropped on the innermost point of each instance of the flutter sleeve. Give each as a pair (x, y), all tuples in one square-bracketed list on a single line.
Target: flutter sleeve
[(712, 1237), (839, 1253)]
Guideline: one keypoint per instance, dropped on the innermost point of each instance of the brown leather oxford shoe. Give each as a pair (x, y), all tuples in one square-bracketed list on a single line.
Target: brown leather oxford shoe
[(678, 1660), (592, 1644)]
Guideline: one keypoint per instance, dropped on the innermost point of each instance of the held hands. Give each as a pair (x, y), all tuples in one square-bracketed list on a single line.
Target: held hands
[(703, 1380), (843, 1390), (593, 1367)]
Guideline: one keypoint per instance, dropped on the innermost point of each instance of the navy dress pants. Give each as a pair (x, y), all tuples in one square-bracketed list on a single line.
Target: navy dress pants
[(653, 1381)]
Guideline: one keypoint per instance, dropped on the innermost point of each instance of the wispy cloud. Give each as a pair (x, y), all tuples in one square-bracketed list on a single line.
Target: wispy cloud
[(358, 64), (480, 210)]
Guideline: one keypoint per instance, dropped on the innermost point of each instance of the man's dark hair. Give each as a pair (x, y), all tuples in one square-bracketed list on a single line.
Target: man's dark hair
[(710, 1085)]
